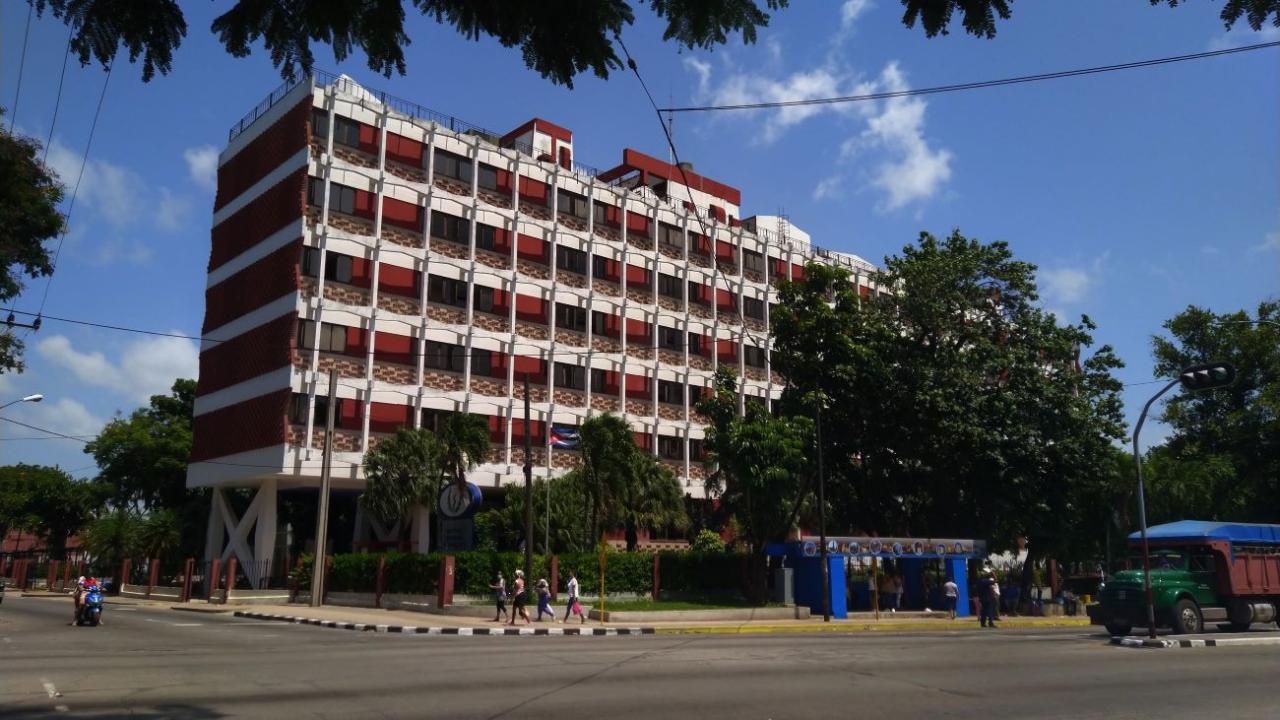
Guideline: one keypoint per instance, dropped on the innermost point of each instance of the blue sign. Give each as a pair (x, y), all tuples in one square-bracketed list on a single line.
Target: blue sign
[(459, 501)]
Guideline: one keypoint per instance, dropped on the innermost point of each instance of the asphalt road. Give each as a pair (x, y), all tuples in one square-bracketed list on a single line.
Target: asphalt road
[(157, 663)]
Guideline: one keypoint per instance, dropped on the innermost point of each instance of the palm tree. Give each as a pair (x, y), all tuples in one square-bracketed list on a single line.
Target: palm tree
[(607, 447), (403, 472), (651, 497), (159, 533), (464, 443), (112, 537)]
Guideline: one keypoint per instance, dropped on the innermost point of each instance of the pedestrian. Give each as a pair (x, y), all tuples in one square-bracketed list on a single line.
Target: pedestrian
[(544, 599), (897, 592), (987, 591), (952, 593), (519, 598), (499, 589), (886, 592), (574, 606)]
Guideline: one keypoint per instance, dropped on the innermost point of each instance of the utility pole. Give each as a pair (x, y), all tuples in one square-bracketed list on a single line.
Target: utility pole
[(528, 489), (822, 521), (322, 515)]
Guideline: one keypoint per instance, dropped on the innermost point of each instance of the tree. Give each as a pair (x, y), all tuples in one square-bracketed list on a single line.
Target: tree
[(143, 458), (707, 541), (570, 525), (112, 537), (55, 506), (1223, 456), (464, 442), (559, 40), (978, 17), (607, 445), (965, 409), (651, 497), (158, 533), (404, 471), (762, 469), (29, 216)]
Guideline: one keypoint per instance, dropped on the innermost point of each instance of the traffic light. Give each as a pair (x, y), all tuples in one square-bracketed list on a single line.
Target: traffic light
[(1208, 377)]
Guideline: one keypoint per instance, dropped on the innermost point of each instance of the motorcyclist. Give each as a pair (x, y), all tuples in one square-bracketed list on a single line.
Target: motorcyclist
[(79, 599)]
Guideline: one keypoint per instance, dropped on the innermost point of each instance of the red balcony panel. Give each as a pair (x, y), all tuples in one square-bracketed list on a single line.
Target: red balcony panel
[(700, 294), (644, 440), (364, 204), (357, 342), (531, 309), (610, 383), (403, 150), (797, 272), (401, 214), (638, 387), (536, 430), (533, 191), (726, 300), (391, 347), (724, 250), (611, 271), (637, 223), (361, 272), (717, 212), (534, 249), (637, 275), (369, 139), (535, 368), (638, 331), (727, 350), (397, 280), (389, 417), (612, 326)]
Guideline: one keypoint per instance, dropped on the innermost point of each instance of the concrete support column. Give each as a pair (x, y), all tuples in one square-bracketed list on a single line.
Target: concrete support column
[(264, 534)]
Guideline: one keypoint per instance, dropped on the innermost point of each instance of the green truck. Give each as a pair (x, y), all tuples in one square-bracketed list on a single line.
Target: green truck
[(1200, 572)]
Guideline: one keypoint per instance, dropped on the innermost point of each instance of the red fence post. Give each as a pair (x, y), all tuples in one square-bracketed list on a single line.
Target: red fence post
[(555, 575), (233, 565), (53, 575), (657, 577), (20, 574), (187, 567), (66, 576), (378, 584), (444, 588), (153, 574), (214, 579), (126, 567)]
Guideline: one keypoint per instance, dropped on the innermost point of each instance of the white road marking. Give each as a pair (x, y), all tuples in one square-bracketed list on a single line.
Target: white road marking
[(187, 624), (61, 708), (124, 609)]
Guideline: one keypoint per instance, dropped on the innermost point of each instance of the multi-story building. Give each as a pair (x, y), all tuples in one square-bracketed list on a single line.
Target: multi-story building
[(434, 266)]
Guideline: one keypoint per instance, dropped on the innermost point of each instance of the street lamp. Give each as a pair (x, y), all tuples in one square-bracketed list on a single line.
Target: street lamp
[(37, 397)]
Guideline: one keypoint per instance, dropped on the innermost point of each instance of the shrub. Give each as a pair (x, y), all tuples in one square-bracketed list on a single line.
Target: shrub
[(702, 573), (353, 572), (707, 541)]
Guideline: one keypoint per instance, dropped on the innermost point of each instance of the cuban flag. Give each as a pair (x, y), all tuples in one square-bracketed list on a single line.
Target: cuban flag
[(564, 437)]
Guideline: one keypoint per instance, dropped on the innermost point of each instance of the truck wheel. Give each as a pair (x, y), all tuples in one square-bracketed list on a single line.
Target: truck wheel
[(1119, 628), (1187, 619)]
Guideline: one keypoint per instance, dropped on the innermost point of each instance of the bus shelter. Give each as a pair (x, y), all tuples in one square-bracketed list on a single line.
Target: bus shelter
[(911, 557)]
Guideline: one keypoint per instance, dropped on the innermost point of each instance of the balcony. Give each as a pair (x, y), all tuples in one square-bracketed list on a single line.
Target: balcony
[(394, 373), (492, 259), (569, 397), (398, 304), (446, 314), (442, 380), (571, 279), (604, 403)]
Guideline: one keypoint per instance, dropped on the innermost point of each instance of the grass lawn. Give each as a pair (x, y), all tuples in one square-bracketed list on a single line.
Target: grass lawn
[(650, 605)]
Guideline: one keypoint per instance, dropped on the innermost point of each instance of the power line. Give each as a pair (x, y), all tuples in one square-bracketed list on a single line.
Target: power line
[(973, 85), (93, 126), (22, 64), (57, 103)]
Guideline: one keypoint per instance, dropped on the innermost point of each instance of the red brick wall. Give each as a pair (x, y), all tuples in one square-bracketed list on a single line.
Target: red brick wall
[(262, 349), (258, 284), (256, 423), (265, 153), (266, 214)]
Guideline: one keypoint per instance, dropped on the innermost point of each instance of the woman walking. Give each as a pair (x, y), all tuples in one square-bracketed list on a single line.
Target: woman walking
[(574, 607), (499, 589), (518, 599), (544, 600)]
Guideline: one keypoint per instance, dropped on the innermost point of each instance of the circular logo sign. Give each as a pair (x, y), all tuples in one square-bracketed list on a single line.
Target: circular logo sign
[(897, 548), (810, 549), (833, 546), (917, 548), (940, 549), (876, 547), (459, 502), (958, 548)]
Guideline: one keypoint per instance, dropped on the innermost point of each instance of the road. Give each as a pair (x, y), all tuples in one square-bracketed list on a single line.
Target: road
[(157, 663)]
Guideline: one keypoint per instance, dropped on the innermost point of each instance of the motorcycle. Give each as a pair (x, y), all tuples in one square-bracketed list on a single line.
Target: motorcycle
[(90, 607)]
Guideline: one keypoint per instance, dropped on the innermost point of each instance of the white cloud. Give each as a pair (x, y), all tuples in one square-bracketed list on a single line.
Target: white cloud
[(851, 10), (1270, 242), (146, 367), (63, 415), (112, 251), (1070, 284), (702, 69), (172, 211), (829, 188), (916, 170), (741, 87), (1242, 34), (112, 191), (202, 165)]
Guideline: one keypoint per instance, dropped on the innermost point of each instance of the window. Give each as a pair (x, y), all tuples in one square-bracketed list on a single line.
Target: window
[(600, 211), (752, 261), (481, 362), (454, 166), (600, 324), (444, 356), (670, 392), (571, 204), (488, 177), (346, 131), (671, 236), (433, 420), (310, 261), (695, 345), (671, 448), (484, 299), (695, 294), (450, 227), (486, 236), (696, 450), (571, 317), (670, 338), (753, 308), (570, 376), (337, 266), (298, 410), (1202, 562), (572, 260), (670, 286), (753, 356), (341, 198), (447, 291), (600, 381), (331, 338), (600, 268), (298, 404)]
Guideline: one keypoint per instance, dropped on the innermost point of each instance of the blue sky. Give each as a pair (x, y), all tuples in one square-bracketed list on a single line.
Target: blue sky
[(1137, 193)]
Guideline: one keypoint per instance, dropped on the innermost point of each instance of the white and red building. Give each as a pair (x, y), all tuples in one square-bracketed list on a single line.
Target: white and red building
[(434, 265)]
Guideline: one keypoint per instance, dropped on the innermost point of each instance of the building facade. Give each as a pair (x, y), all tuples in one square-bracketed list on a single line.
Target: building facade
[(435, 266)]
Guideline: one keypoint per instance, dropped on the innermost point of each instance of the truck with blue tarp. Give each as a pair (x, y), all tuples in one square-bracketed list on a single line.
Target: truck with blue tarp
[(1201, 571)]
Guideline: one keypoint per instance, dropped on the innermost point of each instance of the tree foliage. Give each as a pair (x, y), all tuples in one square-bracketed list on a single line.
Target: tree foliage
[(403, 471), (1222, 459), (963, 408), (464, 443), (559, 39), (143, 458), (569, 517), (112, 537), (46, 501), (29, 197)]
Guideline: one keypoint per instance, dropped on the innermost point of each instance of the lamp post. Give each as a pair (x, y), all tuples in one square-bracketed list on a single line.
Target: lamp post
[(37, 397)]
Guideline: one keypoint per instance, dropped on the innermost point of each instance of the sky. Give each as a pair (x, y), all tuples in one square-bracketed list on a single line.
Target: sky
[(1136, 193)]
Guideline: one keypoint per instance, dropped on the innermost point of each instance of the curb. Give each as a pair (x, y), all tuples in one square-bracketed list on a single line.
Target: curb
[(1132, 642), (923, 626), (427, 630)]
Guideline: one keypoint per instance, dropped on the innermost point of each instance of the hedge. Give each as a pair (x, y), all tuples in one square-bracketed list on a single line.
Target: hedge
[(681, 573)]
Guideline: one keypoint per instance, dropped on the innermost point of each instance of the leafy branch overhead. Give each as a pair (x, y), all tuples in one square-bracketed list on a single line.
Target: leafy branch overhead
[(559, 39)]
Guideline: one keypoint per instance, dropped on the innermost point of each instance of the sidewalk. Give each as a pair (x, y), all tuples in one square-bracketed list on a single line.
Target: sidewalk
[(408, 621)]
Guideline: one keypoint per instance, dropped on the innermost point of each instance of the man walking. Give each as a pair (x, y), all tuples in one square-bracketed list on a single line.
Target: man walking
[(990, 597), (952, 593)]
